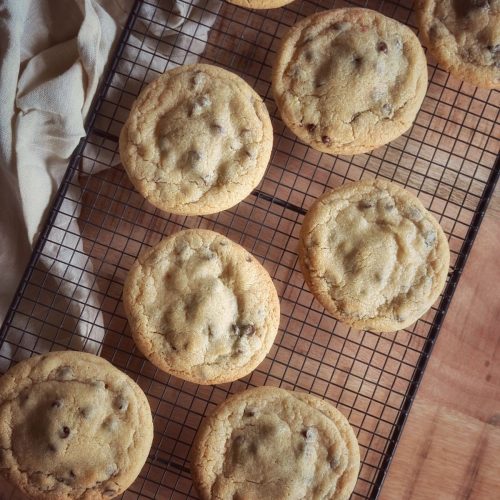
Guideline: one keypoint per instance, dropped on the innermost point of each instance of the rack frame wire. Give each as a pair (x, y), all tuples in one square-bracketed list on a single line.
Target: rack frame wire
[(98, 225)]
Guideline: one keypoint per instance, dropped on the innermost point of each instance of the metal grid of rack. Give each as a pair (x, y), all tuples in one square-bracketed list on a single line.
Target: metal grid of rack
[(70, 296)]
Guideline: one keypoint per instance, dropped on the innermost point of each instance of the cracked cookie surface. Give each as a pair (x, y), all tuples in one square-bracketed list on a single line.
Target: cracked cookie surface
[(201, 307), (349, 80), (72, 426), (269, 443), (197, 140), (464, 36), (373, 255)]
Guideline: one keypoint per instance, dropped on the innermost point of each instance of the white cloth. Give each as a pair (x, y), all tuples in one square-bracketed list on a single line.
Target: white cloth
[(52, 56)]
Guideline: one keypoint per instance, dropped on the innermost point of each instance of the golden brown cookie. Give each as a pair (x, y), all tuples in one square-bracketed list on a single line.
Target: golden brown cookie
[(201, 307), (349, 80), (373, 255), (464, 36), (72, 426), (260, 4), (268, 443), (197, 140)]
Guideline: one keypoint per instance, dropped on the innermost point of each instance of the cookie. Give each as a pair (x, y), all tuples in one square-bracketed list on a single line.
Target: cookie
[(269, 443), (201, 307), (464, 36), (373, 255), (72, 426), (349, 80), (197, 140), (260, 4)]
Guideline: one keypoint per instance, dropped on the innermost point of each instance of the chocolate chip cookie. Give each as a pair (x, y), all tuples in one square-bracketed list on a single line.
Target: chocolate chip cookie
[(197, 140), (201, 307), (373, 255), (260, 4), (464, 36), (349, 80), (270, 443), (72, 426)]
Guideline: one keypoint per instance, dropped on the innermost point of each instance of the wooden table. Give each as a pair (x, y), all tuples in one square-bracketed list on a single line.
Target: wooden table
[(450, 447)]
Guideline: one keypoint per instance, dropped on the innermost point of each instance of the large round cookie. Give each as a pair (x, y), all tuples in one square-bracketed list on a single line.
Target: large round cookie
[(201, 307), (72, 426), (464, 36), (270, 443), (260, 4), (349, 80), (373, 255), (197, 140)]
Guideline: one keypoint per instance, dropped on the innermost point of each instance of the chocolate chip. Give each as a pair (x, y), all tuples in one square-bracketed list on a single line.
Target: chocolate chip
[(311, 127), (357, 60), (65, 373), (341, 26), (72, 474), (110, 423), (414, 214), (364, 204), (387, 109), (308, 56), (382, 47), (199, 105), (109, 493), (246, 330), (309, 433), (326, 140), (194, 157), (430, 238), (56, 404), (217, 129), (65, 432), (85, 412), (238, 440), (204, 101), (121, 404), (249, 412)]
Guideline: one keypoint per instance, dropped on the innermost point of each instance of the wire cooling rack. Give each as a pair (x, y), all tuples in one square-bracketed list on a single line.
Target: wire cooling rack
[(70, 296)]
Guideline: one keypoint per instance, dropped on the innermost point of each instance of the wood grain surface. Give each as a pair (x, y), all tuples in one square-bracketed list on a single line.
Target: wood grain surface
[(450, 447)]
